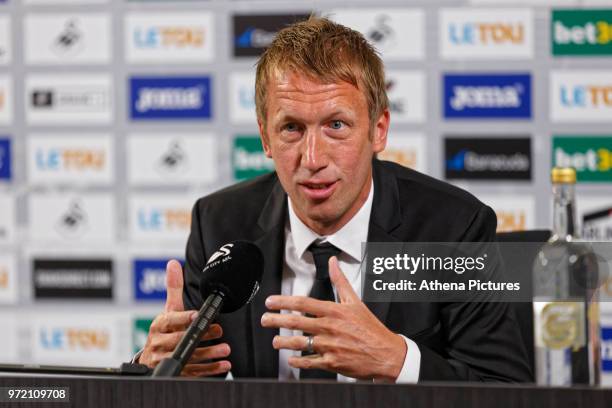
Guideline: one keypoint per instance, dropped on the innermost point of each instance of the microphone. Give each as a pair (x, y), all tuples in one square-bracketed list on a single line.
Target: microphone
[(230, 280)]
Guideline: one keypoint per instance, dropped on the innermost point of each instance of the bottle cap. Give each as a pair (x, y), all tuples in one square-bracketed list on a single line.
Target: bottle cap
[(566, 175)]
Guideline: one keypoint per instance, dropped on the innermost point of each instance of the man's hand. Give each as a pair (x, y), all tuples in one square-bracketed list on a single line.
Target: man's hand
[(168, 328), (348, 338)]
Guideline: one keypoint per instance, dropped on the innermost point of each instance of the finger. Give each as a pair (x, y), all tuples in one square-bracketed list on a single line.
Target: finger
[(290, 342), (206, 369), (312, 362), (174, 287), (168, 341), (291, 321), (172, 321), (201, 354), (304, 304), (214, 332), (345, 291)]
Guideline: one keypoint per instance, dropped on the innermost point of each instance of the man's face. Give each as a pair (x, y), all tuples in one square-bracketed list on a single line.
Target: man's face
[(322, 142)]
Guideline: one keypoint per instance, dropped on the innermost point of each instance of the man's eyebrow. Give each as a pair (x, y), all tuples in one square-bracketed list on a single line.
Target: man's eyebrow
[(282, 116), (338, 112)]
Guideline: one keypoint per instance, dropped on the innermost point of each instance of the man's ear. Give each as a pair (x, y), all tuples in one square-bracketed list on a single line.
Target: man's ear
[(265, 142), (381, 128)]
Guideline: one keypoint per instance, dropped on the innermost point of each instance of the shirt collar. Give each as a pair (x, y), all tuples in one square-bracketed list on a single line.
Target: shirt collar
[(348, 239)]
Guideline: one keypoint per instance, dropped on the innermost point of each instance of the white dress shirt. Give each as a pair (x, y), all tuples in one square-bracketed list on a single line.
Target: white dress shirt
[(299, 274)]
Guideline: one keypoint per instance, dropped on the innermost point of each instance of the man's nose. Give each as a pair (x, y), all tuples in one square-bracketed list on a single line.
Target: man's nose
[(314, 153)]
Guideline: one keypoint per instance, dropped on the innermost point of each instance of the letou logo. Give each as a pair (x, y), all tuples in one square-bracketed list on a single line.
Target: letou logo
[(87, 158), (150, 278), (513, 213), (78, 339), (171, 159), (249, 159), (591, 156), (160, 217), (170, 98), (581, 32), (88, 217), (72, 278), (5, 40), (67, 39), (486, 33), (6, 100), (78, 99), (253, 33), (169, 37), (242, 98), (5, 159), (407, 149), (406, 92), (397, 33), (581, 96), (491, 158), (487, 96)]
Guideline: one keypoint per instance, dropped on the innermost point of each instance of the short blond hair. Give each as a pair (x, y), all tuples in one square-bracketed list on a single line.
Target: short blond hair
[(328, 52)]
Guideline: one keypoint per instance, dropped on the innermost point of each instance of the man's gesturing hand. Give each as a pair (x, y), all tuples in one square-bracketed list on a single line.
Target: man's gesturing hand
[(348, 338), (168, 328)]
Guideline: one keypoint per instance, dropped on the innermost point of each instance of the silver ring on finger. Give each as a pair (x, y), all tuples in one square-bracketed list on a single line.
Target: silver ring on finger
[(310, 345)]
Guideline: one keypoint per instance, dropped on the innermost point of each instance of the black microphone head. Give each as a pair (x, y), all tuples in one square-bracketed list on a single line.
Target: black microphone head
[(235, 269)]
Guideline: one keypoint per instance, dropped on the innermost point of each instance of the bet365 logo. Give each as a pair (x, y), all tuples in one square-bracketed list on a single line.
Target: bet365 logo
[(581, 32), (249, 159), (590, 156)]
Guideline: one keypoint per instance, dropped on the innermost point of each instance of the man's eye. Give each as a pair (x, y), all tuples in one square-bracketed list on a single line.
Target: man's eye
[(336, 124), (291, 127)]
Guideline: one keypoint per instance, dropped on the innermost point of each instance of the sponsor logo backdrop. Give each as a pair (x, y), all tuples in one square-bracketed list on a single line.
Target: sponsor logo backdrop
[(115, 116)]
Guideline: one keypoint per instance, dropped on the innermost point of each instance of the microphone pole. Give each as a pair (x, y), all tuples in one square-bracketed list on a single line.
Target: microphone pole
[(172, 366)]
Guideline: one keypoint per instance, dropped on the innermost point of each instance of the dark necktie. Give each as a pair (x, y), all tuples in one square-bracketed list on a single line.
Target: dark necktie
[(321, 289)]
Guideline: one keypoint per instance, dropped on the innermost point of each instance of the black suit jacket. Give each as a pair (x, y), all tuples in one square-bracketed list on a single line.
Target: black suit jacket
[(458, 341)]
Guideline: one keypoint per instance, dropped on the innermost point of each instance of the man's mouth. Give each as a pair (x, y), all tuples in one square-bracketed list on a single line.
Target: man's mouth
[(318, 190)]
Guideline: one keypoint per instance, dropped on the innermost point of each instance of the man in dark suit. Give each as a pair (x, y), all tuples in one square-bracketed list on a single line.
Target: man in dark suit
[(323, 116)]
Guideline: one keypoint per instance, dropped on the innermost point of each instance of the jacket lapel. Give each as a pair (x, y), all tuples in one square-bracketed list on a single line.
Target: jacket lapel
[(271, 243), (385, 217)]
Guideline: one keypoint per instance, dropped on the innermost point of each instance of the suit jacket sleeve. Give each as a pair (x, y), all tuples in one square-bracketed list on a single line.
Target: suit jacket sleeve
[(483, 341)]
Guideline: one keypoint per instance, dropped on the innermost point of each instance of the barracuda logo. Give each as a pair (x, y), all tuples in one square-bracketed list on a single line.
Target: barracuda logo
[(581, 32), (472, 161), (488, 158), (170, 98), (590, 156), (487, 96), (252, 33), (255, 37)]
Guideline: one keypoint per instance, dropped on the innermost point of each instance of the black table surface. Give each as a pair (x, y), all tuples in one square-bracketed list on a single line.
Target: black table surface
[(106, 391)]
